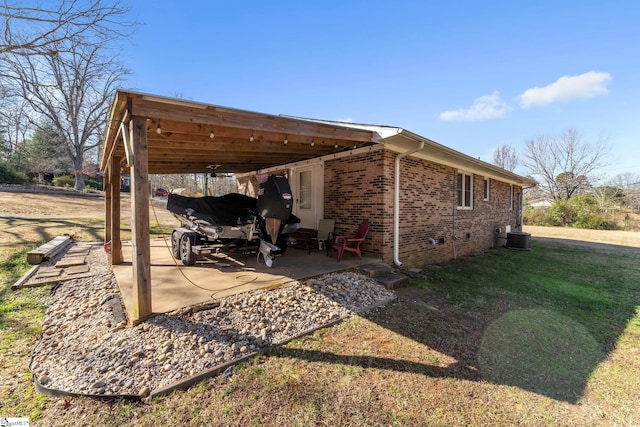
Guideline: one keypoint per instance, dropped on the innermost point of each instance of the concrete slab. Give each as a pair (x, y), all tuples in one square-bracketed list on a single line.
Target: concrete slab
[(175, 286), (392, 280), (373, 270)]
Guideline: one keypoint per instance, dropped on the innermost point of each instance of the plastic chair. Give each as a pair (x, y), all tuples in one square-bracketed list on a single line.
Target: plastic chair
[(352, 244), (325, 234)]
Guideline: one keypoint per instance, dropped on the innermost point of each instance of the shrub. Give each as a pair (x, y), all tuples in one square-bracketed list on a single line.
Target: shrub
[(536, 216), (594, 222), (93, 183), (64, 181), (562, 213), (8, 175)]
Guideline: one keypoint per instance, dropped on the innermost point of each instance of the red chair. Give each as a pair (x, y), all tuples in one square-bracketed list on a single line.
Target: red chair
[(344, 243)]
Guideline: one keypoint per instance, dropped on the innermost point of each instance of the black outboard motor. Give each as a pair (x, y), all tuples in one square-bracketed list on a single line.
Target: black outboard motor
[(274, 205), (274, 198)]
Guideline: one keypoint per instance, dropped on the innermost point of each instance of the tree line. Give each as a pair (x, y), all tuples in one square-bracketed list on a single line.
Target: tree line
[(59, 68), (60, 65), (571, 189)]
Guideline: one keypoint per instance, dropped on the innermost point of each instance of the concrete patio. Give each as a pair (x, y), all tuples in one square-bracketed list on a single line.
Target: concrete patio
[(175, 286)]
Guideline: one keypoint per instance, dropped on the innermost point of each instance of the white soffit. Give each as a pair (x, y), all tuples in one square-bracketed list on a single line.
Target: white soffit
[(432, 151)]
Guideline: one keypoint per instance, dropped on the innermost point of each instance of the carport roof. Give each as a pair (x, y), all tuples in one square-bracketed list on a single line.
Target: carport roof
[(179, 138)]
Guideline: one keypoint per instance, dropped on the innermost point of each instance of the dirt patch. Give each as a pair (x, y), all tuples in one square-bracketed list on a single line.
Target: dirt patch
[(30, 204), (30, 216), (610, 241), (402, 364)]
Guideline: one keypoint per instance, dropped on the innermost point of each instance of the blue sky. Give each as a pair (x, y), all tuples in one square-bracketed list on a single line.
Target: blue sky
[(469, 75)]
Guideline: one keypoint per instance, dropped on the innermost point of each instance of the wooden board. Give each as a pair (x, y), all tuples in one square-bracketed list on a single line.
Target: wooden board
[(25, 278), (48, 250), (77, 269), (78, 251), (48, 273), (69, 261), (33, 283)]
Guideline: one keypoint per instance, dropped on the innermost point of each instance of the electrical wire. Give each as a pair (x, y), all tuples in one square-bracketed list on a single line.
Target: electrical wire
[(215, 291)]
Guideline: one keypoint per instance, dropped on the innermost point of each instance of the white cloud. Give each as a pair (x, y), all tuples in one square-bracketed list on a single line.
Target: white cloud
[(483, 108), (346, 120), (566, 88)]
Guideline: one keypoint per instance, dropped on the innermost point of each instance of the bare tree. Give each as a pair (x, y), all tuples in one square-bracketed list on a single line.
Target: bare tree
[(71, 90), (39, 30), (506, 157), (629, 183), (565, 165)]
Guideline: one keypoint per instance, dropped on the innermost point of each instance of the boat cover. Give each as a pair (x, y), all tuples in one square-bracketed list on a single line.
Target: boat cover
[(216, 210)]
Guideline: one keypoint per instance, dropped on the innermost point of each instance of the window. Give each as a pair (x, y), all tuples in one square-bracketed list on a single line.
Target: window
[(511, 197), (305, 190), (487, 186), (465, 190)]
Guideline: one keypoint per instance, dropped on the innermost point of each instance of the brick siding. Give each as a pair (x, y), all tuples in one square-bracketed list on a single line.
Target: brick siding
[(361, 187)]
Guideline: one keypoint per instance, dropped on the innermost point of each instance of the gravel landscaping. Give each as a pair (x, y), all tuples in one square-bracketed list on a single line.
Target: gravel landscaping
[(86, 348)]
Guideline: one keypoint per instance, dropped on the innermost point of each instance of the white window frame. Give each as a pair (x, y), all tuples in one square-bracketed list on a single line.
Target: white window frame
[(461, 190), (487, 189)]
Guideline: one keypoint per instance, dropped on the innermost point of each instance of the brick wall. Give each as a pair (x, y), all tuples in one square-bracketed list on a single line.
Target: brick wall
[(361, 187)]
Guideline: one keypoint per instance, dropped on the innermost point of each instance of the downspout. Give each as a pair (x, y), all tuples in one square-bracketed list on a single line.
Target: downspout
[(396, 202)]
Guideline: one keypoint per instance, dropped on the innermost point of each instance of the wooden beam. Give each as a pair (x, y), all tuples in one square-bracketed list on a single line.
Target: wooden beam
[(48, 250), (200, 166), (209, 158), (198, 132), (141, 251), (115, 209), (234, 146), (118, 114), (224, 117)]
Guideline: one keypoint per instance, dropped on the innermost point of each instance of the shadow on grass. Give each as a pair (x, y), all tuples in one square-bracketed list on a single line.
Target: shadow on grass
[(44, 229), (541, 320)]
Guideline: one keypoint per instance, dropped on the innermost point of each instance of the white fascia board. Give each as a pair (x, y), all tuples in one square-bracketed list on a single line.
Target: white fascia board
[(438, 153), (315, 160), (380, 131)]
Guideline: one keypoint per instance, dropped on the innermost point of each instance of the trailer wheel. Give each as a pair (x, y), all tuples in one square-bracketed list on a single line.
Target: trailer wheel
[(175, 245), (186, 254)]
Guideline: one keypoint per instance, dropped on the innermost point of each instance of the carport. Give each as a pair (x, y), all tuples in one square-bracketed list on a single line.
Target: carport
[(148, 134)]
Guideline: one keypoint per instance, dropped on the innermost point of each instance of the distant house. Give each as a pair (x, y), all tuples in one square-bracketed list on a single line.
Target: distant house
[(125, 183), (541, 203)]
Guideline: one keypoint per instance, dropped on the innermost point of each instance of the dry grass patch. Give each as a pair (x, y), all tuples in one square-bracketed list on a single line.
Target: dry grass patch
[(416, 361)]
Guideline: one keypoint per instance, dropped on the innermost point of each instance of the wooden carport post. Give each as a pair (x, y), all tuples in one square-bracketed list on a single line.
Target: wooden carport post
[(112, 233), (107, 204), (140, 251)]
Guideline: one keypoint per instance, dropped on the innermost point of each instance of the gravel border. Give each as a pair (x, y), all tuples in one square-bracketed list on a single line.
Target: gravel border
[(86, 348)]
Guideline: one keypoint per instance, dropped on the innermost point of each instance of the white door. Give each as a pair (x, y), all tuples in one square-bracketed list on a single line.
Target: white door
[(307, 187)]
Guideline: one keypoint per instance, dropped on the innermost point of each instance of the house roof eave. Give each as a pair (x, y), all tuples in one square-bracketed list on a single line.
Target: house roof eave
[(433, 151)]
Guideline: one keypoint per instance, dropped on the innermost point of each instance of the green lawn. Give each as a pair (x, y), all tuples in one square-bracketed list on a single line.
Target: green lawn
[(547, 337)]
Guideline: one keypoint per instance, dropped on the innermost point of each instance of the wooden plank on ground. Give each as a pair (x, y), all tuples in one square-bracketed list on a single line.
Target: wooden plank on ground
[(48, 273), (34, 283), (24, 279), (48, 250), (77, 269), (77, 251), (70, 261)]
